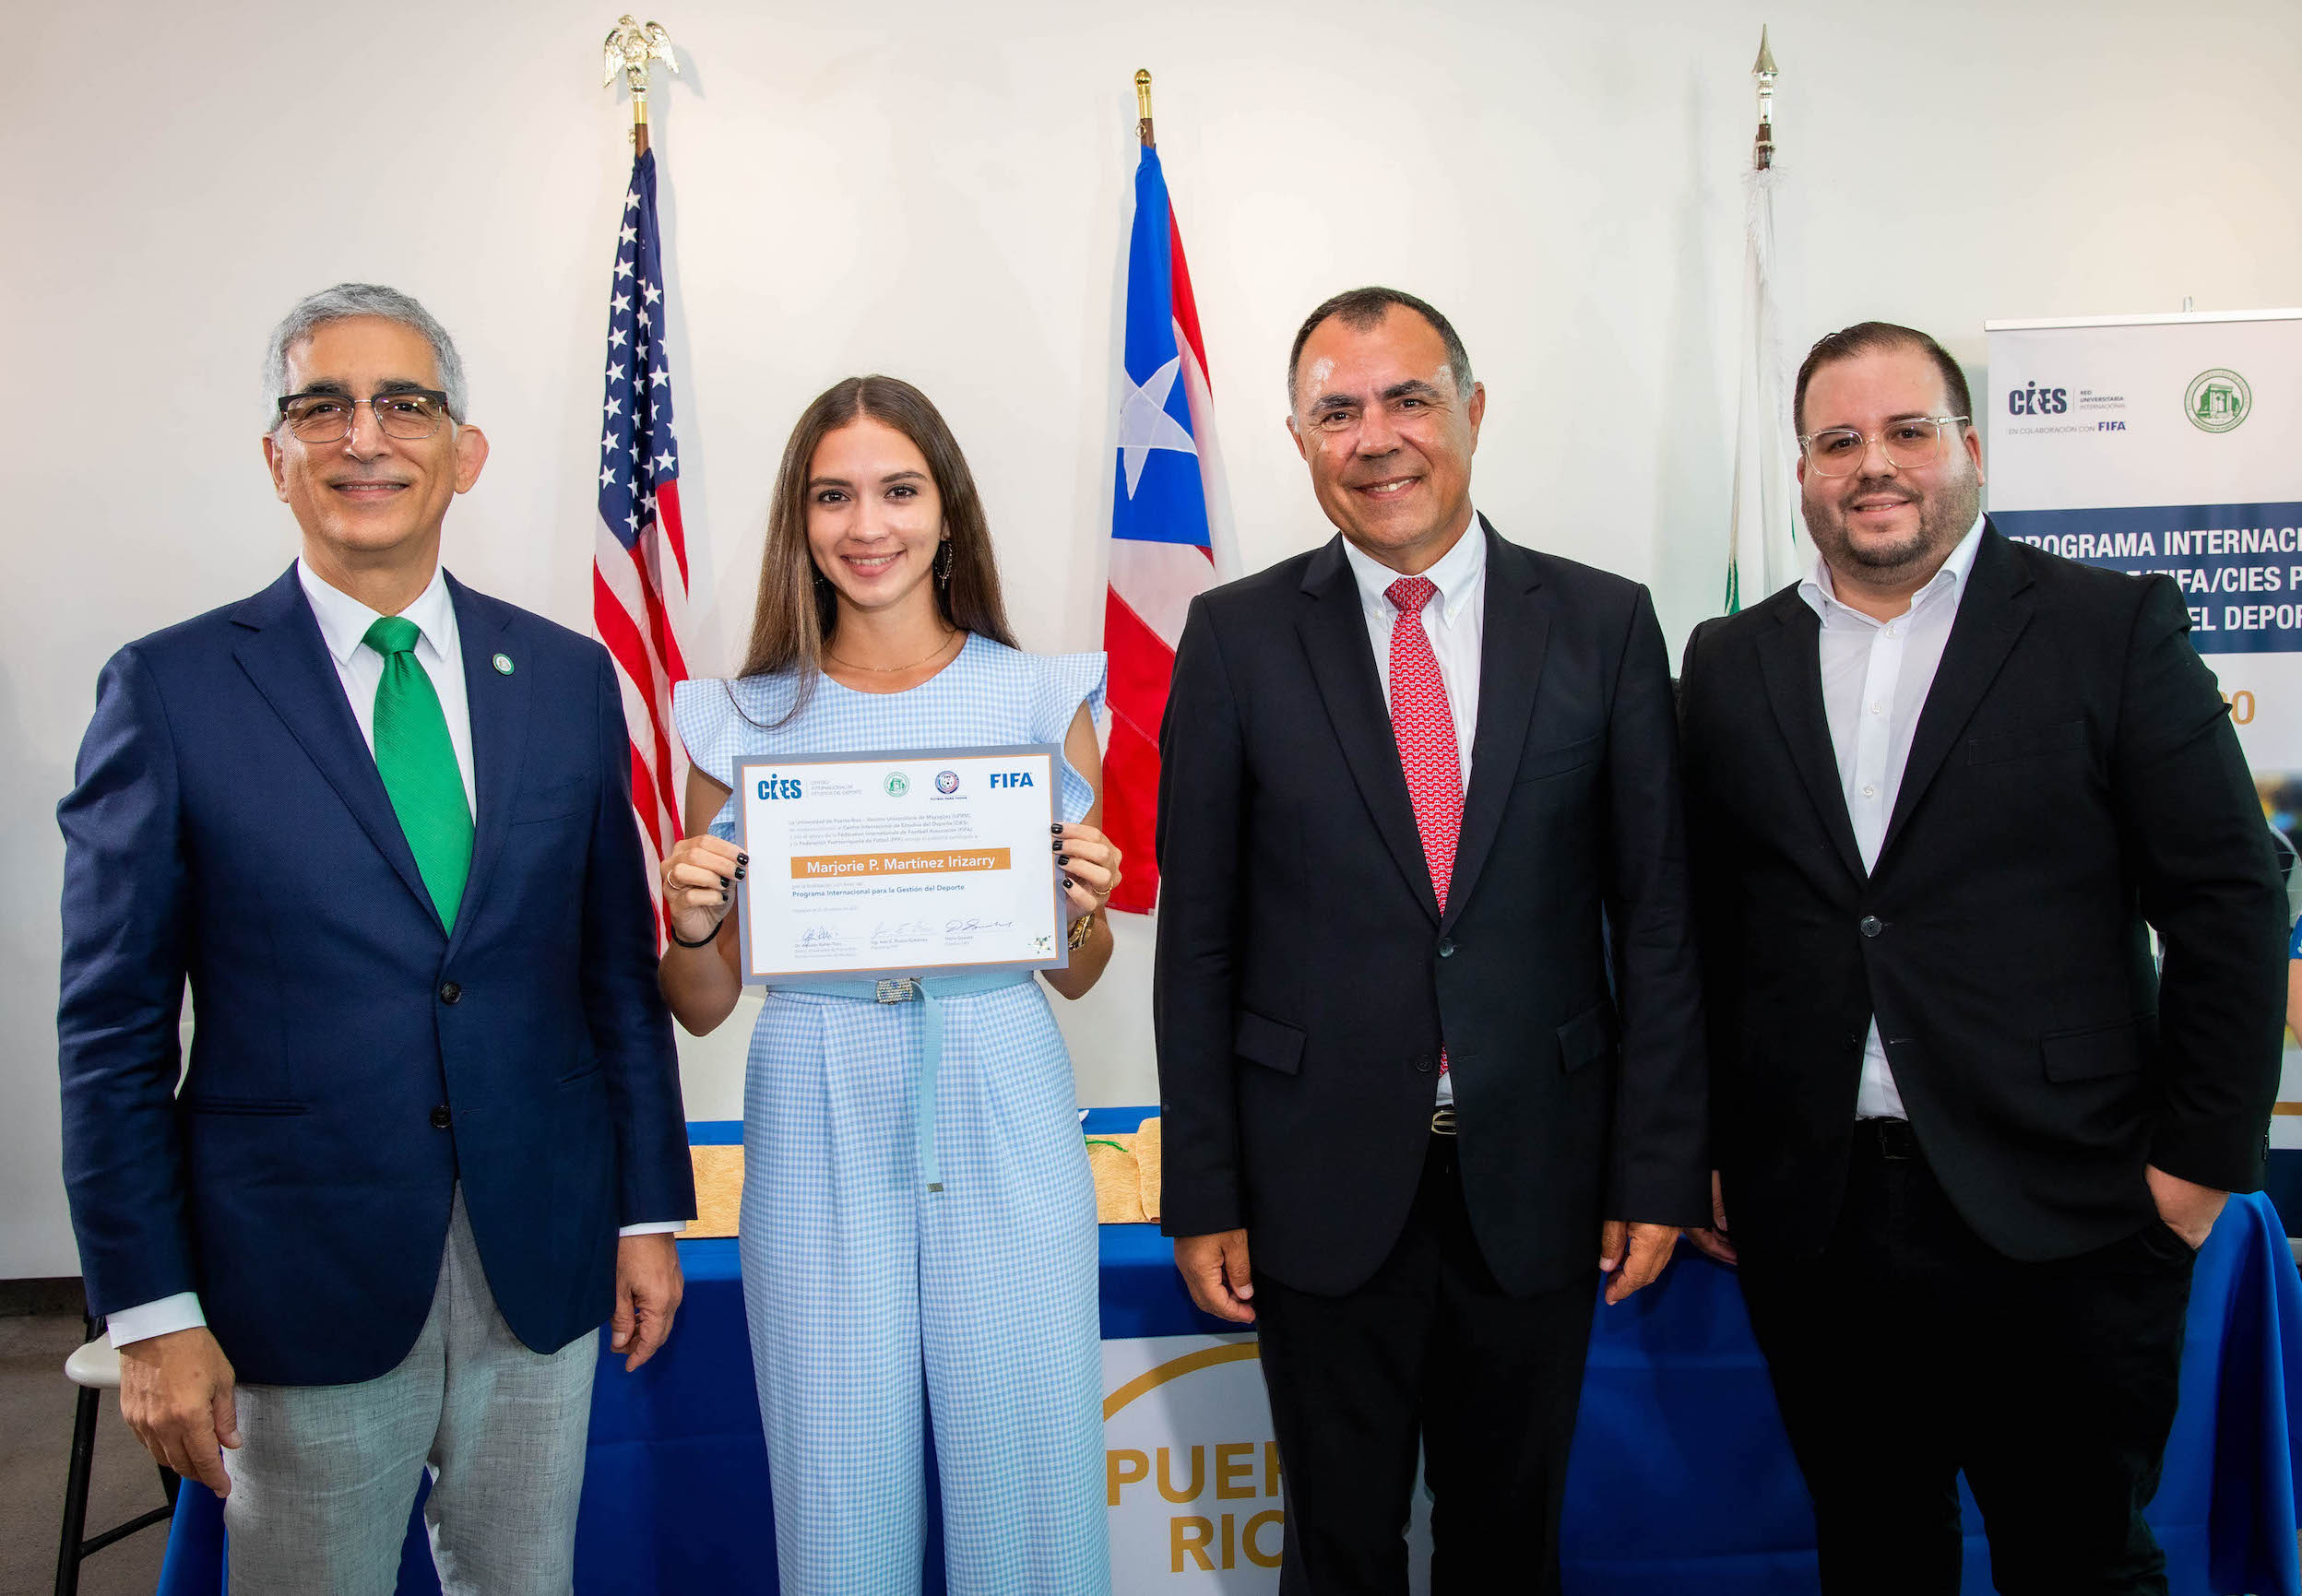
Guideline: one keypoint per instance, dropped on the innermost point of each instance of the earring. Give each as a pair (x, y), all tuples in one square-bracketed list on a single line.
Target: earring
[(943, 565)]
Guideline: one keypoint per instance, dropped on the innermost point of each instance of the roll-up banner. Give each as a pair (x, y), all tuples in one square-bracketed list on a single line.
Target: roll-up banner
[(2173, 444)]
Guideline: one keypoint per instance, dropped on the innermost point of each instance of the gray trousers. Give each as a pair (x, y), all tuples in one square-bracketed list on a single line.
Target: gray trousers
[(324, 1475)]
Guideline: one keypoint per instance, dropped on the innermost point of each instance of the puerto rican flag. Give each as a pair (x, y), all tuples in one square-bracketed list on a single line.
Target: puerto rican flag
[(1167, 509)]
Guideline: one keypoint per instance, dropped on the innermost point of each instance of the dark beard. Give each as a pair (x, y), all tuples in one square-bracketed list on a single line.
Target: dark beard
[(1943, 517)]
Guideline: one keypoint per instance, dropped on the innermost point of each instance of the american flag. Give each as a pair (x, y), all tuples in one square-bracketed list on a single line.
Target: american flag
[(1168, 510), (639, 570)]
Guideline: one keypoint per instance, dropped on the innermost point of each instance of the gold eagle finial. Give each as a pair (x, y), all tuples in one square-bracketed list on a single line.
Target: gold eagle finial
[(631, 46)]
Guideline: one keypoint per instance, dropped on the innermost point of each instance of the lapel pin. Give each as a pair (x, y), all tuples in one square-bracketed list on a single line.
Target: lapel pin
[(502, 664)]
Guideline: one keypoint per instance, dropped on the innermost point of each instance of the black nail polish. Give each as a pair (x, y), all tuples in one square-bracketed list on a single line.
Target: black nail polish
[(741, 872), (1057, 830), (743, 859), (1062, 859)]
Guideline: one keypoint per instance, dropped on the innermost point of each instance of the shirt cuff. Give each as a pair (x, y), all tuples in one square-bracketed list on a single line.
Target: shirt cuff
[(655, 1227), (147, 1320)]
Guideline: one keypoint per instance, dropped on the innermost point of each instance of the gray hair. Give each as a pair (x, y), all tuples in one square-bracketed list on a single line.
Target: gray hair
[(1361, 308), (343, 303)]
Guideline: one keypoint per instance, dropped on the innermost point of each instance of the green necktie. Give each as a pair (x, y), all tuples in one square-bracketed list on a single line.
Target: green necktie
[(418, 764)]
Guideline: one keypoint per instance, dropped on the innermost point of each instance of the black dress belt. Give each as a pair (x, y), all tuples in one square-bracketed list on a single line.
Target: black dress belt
[(1894, 1139)]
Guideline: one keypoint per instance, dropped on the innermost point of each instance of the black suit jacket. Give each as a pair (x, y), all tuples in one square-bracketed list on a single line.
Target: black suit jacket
[(2074, 780), (1307, 979)]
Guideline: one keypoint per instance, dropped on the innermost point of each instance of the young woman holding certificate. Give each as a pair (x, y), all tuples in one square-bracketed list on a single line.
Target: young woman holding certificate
[(916, 1192)]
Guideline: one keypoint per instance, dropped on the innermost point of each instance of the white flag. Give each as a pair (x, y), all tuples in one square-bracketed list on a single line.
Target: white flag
[(1762, 550)]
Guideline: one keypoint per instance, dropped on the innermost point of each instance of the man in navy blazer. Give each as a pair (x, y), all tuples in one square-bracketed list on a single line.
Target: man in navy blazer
[(430, 1136)]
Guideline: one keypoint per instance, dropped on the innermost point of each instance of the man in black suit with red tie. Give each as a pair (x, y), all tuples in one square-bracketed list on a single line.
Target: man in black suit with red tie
[(1428, 1017), (1941, 793)]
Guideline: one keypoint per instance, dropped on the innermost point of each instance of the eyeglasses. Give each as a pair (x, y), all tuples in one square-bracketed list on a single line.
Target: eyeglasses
[(1910, 443), (406, 414)]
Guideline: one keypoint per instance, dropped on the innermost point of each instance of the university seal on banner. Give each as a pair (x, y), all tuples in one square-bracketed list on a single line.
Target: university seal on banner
[(2217, 400), (897, 784)]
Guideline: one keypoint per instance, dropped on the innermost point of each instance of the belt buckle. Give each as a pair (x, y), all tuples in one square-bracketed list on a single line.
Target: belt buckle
[(1896, 1144), (901, 989), (1442, 1120)]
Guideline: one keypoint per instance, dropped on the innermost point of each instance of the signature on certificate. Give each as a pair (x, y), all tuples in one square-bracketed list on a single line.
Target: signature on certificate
[(886, 936), (964, 928), (818, 937)]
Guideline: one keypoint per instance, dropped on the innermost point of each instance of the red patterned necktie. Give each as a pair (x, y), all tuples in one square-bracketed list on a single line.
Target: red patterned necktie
[(1424, 725)]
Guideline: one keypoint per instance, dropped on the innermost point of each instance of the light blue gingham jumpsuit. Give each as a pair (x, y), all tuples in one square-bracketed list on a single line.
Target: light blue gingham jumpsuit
[(872, 1300)]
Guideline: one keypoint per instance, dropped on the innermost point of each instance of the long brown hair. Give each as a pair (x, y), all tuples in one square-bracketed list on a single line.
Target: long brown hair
[(797, 609)]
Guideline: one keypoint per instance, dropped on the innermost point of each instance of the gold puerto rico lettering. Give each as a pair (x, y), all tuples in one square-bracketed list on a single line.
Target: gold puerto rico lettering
[(1208, 1542)]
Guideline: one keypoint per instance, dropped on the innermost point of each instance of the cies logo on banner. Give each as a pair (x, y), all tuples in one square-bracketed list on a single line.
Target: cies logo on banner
[(2217, 400), (2030, 399)]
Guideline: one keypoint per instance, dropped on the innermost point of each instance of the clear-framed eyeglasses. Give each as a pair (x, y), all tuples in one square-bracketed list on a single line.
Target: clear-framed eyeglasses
[(1912, 442), (406, 414)]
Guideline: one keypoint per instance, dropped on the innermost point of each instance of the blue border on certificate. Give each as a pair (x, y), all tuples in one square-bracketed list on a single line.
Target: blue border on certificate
[(1050, 752)]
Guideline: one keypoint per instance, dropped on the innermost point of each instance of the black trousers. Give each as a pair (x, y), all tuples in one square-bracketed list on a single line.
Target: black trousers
[(1910, 1351), (1430, 1350)]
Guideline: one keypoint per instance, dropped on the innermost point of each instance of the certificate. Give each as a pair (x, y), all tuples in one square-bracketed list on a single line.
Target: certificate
[(893, 864)]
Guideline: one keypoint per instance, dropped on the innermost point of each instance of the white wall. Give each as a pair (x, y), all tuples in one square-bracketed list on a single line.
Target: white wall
[(939, 191)]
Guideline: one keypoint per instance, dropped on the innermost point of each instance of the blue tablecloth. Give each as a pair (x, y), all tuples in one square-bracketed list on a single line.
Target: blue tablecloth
[(1682, 1479)]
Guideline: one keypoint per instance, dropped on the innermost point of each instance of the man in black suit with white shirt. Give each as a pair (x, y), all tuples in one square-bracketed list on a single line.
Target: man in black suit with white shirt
[(1968, 1134), (1429, 1022)]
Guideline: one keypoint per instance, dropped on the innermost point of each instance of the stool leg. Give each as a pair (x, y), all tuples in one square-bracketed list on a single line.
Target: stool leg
[(76, 1492)]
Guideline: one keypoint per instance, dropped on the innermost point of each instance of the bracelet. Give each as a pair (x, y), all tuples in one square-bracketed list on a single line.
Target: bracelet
[(1082, 929), (683, 941)]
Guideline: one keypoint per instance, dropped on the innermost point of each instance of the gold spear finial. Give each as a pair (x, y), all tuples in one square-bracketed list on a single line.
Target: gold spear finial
[(631, 46), (1143, 105), (1763, 70)]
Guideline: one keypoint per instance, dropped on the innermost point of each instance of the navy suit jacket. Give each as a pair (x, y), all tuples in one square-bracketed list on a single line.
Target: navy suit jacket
[(351, 1061)]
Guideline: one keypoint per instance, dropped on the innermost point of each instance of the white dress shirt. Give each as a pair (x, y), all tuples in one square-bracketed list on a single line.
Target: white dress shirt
[(1876, 676), (1455, 620), (344, 624)]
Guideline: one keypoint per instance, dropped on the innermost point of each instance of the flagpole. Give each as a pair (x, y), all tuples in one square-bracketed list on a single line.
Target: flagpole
[(639, 558), (1763, 537), (1143, 106), (631, 46), (1763, 70)]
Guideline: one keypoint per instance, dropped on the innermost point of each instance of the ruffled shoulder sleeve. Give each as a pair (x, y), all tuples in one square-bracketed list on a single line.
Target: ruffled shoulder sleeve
[(720, 721), (1061, 682)]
